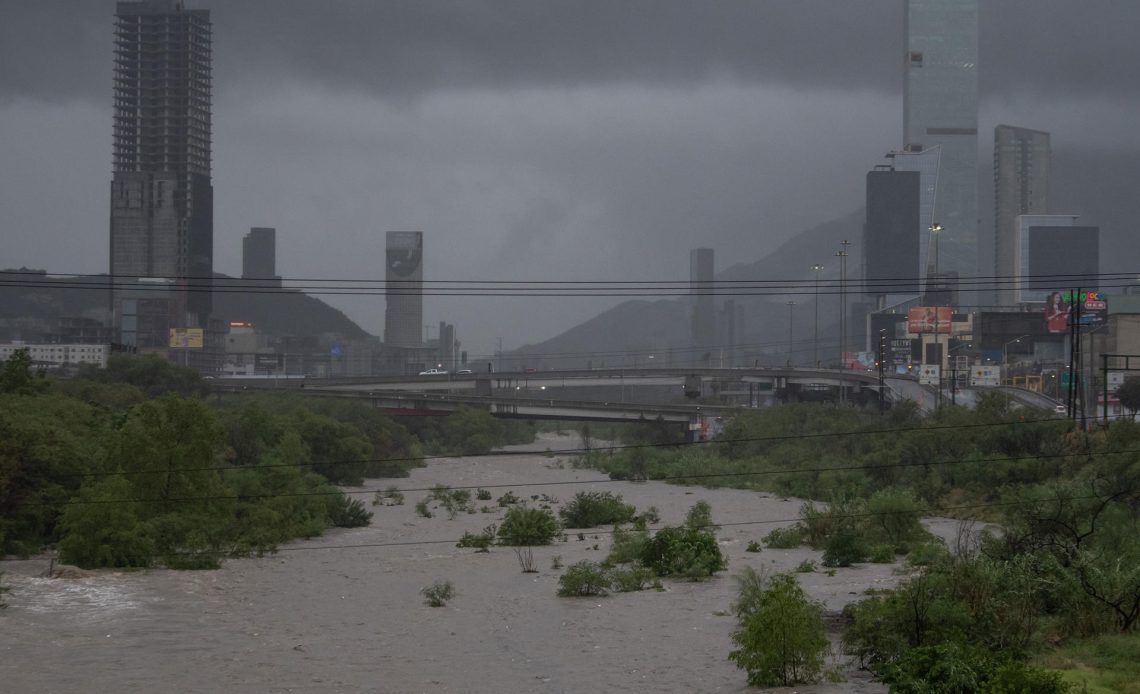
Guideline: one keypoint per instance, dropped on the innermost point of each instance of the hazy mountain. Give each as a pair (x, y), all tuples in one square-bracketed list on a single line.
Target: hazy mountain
[(635, 329), (30, 300)]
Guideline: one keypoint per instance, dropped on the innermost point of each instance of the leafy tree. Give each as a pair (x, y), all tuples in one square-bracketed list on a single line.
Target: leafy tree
[(1129, 394), (528, 526), (149, 373), (781, 638), (17, 376)]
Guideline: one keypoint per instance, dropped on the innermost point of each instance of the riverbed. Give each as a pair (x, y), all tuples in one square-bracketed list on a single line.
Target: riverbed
[(343, 612)]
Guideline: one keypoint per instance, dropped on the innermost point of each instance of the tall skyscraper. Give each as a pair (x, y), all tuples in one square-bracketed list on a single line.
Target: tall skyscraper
[(940, 96), (702, 329), (404, 289), (1021, 186), (161, 196), (891, 265), (259, 257)]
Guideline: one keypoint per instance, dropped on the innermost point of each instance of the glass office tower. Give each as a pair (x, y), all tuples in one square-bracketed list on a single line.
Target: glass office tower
[(940, 96)]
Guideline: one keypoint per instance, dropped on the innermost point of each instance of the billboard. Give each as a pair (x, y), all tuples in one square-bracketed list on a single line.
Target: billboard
[(267, 362), (186, 338), (985, 376), (1086, 308), (929, 319), (929, 375)]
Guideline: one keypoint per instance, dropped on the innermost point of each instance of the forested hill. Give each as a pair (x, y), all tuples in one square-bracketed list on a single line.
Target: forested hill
[(28, 296)]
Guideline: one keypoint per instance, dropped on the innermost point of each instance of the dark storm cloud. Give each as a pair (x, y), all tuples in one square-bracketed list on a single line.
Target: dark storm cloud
[(413, 46)]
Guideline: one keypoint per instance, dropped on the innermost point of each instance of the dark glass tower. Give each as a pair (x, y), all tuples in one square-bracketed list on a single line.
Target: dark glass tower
[(161, 195), (940, 95)]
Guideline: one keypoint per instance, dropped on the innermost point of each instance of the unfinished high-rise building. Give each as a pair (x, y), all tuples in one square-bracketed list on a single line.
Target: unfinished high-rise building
[(161, 194), (404, 289), (1021, 186)]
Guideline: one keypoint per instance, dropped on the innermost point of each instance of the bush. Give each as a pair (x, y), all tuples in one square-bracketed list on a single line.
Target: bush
[(699, 517), (482, 494), (391, 496), (881, 553), (528, 526), (753, 546), (895, 516), (806, 566), (586, 578), (627, 546), (481, 541), (630, 579), (438, 593), (591, 509), (508, 499), (683, 552), (345, 512), (781, 639), (785, 538), (422, 508), (844, 549)]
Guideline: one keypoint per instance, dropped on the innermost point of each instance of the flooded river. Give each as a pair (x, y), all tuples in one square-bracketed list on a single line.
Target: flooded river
[(343, 613)]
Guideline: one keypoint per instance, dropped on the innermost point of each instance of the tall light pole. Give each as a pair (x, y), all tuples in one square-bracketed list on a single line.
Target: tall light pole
[(1003, 353), (791, 312), (842, 255), (935, 229), (815, 348)]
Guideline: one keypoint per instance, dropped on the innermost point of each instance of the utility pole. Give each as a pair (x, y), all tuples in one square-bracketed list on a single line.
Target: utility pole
[(882, 376), (815, 348), (842, 255), (791, 312)]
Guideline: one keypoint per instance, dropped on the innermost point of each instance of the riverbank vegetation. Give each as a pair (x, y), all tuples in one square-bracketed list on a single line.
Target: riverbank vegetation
[(1055, 565), (134, 466)]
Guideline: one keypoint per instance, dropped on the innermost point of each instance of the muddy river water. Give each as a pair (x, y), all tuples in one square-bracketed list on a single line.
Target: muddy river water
[(343, 613)]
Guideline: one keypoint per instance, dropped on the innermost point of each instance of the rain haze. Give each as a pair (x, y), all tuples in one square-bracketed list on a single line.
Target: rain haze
[(534, 140)]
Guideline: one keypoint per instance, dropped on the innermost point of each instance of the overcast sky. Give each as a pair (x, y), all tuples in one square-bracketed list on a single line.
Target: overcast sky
[(573, 140)]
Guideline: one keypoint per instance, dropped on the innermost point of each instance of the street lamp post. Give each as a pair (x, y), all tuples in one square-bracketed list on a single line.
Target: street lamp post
[(842, 255), (815, 348), (1003, 352), (791, 312)]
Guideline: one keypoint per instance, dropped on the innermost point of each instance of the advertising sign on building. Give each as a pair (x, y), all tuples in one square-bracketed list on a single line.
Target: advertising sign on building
[(267, 362), (1086, 308), (985, 376), (930, 374), (186, 338), (929, 319)]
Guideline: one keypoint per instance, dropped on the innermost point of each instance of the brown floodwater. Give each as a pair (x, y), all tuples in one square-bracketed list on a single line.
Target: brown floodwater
[(343, 613)]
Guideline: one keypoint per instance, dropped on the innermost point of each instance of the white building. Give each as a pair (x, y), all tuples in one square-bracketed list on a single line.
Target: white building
[(57, 356)]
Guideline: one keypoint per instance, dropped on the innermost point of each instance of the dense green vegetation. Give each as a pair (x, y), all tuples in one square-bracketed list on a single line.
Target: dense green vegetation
[(1060, 565), (131, 466)]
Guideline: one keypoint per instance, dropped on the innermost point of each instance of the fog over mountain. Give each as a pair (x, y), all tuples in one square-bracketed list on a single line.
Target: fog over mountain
[(539, 140)]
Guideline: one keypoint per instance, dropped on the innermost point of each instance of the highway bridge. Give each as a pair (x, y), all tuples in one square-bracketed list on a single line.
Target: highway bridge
[(622, 394)]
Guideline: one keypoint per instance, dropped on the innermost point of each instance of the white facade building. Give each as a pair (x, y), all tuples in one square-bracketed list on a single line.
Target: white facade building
[(56, 356)]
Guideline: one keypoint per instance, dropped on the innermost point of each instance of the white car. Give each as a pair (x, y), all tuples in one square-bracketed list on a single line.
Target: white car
[(463, 372), (433, 372)]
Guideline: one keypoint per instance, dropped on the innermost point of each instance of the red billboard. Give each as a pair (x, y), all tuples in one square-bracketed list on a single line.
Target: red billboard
[(929, 319)]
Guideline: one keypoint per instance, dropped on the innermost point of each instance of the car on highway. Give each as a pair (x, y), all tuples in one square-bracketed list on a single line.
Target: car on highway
[(463, 372), (434, 372)]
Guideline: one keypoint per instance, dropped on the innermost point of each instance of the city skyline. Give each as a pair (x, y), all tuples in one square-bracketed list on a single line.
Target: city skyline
[(557, 166)]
